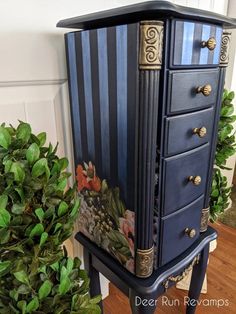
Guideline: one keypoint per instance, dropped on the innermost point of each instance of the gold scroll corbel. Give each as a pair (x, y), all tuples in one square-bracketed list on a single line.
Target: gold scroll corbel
[(151, 45)]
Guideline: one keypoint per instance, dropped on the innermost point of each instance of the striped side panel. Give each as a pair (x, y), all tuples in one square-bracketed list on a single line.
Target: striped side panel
[(187, 43), (121, 53), (74, 97), (104, 71), (88, 94), (82, 110), (104, 100)]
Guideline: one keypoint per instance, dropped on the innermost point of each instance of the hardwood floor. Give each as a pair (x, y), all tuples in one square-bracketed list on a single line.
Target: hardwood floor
[(221, 283)]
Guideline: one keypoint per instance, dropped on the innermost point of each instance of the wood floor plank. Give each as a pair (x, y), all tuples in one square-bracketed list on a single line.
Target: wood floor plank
[(221, 284)]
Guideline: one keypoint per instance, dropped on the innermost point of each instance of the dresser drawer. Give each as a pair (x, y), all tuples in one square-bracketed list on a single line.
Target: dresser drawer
[(195, 44), (178, 190), (188, 131), (184, 90), (175, 239)]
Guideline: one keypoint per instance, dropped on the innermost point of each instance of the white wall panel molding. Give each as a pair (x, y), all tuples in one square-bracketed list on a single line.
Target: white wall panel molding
[(32, 82)]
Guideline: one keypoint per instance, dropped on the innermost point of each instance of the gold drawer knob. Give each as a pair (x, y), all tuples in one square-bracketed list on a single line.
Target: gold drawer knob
[(205, 89), (210, 43), (201, 132), (195, 180), (190, 232)]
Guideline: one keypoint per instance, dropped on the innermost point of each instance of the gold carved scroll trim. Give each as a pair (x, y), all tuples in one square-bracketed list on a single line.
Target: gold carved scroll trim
[(151, 43), (144, 262), (181, 276), (204, 219), (224, 50)]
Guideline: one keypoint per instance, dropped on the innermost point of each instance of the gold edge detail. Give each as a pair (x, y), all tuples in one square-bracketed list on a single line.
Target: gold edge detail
[(144, 262), (151, 45), (204, 219), (224, 50), (184, 273)]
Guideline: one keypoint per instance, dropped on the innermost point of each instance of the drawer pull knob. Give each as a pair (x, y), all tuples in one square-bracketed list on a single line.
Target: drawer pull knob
[(210, 43), (205, 89), (190, 232), (195, 180), (201, 132)]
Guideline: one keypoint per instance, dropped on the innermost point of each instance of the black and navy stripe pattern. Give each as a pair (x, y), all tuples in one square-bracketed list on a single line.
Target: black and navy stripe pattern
[(187, 43), (103, 68)]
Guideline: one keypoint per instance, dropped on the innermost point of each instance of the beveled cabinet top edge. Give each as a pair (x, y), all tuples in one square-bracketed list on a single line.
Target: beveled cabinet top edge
[(140, 11)]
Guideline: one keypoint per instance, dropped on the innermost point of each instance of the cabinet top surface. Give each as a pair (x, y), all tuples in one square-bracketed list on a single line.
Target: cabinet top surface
[(141, 11)]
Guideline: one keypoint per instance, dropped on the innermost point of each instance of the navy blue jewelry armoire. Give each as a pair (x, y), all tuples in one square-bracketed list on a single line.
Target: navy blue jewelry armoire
[(145, 85)]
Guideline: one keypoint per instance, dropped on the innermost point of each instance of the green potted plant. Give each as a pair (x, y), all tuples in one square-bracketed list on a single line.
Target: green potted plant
[(226, 147), (37, 214)]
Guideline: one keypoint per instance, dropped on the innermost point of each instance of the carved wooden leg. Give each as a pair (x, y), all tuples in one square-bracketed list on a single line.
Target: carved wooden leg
[(95, 288), (199, 271), (141, 304)]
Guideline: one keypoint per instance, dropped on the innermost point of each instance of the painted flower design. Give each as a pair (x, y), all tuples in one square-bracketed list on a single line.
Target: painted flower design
[(87, 179), (103, 216), (130, 265), (127, 228)]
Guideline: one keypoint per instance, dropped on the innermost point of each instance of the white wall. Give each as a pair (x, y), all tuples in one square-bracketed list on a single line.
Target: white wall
[(33, 79)]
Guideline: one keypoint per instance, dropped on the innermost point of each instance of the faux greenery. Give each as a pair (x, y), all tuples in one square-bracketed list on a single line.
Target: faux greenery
[(226, 147), (36, 217)]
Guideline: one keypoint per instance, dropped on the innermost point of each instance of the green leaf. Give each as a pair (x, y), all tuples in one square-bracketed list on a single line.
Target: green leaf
[(14, 294), (23, 289), (4, 266), (227, 110), (20, 192), (33, 305), (64, 286), (39, 167), (8, 165), (3, 201), (63, 163), (5, 218), (42, 138), (69, 265), (75, 208), (62, 209), (55, 266), (19, 173), (32, 153), (96, 299), (5, 137), (22, 306), (37, 230), (62, 185), (45, 289), (18, 209), (21, 276), (57, 227), (39, 213), (43, 238), (231, 95), (23, 132), (4, 235)]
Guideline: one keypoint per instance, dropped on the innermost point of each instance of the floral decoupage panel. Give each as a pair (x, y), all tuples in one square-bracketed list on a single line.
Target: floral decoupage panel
[(104, 219)]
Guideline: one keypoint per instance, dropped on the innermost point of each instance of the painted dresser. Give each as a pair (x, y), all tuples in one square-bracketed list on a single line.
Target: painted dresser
[(145, 86)]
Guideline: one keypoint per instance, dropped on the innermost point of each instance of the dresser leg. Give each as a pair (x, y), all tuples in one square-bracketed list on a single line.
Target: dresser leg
[(142, 304), (199, 271), (95, 288)]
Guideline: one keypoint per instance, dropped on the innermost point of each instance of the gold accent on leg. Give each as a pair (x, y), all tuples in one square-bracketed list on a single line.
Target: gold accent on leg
[(204, 219), (181, 276), (224, 50), (144, 262), (151, 44)]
